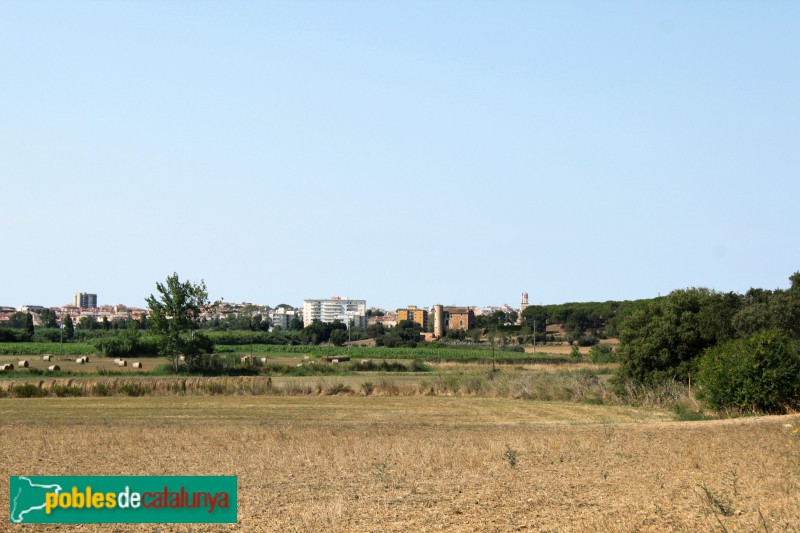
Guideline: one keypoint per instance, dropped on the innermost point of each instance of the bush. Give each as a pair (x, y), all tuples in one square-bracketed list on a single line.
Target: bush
[(134, 389), (47, 335), (66, 391), (760, 373), (602, 353), (101, 389), (575, 353), (587, 340), (419, 366), (213, 388), (28, 391), (126, 345)]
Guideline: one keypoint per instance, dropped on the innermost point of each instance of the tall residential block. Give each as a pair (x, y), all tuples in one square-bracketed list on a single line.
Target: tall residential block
[(414, 314), (344, 310), (84, 300)]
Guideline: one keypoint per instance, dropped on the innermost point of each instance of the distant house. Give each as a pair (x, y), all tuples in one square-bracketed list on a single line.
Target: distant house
[(387, 321), (462, 318)]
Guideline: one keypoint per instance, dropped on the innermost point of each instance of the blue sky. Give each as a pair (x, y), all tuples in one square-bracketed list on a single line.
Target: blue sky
[(398, 152)]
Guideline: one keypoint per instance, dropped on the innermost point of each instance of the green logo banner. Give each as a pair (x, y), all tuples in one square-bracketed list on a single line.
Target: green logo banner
[(123, 499)]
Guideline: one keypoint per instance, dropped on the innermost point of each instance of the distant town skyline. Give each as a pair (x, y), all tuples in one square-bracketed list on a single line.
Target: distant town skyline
[(404, 153), (101, 303)]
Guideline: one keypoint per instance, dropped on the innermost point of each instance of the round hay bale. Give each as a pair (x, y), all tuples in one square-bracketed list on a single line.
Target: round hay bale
[(23, 364), (53, 368), (79, 360), (122, 362), (46, 358), (137, 365), (116, 360)]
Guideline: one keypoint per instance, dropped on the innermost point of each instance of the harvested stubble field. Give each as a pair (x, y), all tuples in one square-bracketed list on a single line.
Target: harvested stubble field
[(347, 463), (96, 364)]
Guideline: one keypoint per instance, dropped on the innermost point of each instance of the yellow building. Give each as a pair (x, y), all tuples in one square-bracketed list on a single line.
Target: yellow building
[(420, 316)]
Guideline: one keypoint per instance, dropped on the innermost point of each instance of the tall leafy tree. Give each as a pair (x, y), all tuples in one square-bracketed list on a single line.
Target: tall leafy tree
[(69, 327), (29, 326), (18, 320), (661, 340), (47, 318), (87, 322), (174, 315)]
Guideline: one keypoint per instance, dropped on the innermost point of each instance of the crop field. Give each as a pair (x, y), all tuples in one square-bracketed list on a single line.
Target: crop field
[(419, 463), (39, 348), (67, 363)]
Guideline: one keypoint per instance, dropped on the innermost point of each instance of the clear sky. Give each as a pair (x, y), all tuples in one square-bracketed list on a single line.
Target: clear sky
[(399, 152)]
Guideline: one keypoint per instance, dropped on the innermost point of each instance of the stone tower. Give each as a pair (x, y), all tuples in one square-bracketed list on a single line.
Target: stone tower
[(522, 305), (438, 320)]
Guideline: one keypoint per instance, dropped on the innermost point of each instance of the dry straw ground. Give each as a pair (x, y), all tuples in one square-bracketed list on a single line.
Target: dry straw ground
[(348, 463)]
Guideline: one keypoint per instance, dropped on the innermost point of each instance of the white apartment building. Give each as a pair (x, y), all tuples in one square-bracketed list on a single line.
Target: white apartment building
[(344, 310), (283, 317)]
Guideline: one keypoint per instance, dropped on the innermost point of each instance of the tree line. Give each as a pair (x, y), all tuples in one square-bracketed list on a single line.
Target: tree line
[(741, 348)]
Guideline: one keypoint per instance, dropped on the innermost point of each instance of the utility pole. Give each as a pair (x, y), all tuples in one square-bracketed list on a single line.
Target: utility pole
[(491, 338), (349, 335)]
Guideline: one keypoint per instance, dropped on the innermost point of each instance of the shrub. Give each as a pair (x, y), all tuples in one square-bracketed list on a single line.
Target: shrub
[(214, 387), (419, 366), (337, 388), (685, 413), (64, 391), (587, 340), (116, 345), (602, 353), (134, 389), (760, 373), (29, 391), (510, 455), (101, 389), (575, 353)]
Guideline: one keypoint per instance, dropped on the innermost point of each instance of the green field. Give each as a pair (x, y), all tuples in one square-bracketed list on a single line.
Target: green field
[(472, 354), (41, 348)]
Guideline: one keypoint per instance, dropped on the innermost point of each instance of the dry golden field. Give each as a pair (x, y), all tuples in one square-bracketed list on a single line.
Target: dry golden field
[(418, 463), (96, 363)]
